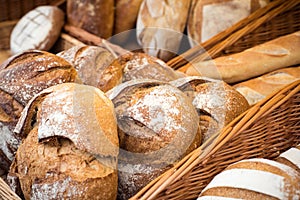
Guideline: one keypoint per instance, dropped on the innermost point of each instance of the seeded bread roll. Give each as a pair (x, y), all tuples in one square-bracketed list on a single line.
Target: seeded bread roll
[(210, 17), (256, 89), (21, 77), (254, 179), (38, 29), (217, 102), (160, 26), (90, 63), (157, 126), (96, 17), (65, 155)]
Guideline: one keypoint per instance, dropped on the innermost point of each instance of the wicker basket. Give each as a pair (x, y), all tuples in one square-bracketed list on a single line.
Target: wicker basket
[(265, 130)]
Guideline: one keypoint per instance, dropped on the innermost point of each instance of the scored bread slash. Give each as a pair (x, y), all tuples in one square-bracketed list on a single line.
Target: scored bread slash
[(38, 29), (70, 145)]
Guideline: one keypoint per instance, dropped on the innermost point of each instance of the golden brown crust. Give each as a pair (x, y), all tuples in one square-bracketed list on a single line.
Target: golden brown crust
[(65, 155), (157, 126), (95, 17), (126, 14), (91, 64)]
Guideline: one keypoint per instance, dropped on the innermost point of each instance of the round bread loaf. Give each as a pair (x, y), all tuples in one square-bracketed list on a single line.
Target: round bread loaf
[(255, 178), (38, 29), (157, 125), (140, 66), (66, 155), (21, 77), (291, 157), (217, 102), (90, 62)]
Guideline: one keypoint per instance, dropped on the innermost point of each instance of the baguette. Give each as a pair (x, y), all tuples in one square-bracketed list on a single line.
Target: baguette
[(269, 56), (254, 90)]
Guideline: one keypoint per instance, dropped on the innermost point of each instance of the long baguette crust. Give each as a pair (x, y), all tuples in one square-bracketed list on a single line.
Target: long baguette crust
[(272, 55)]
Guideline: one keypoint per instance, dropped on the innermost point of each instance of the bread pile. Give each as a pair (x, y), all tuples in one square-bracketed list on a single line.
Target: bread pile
[(85, 124)]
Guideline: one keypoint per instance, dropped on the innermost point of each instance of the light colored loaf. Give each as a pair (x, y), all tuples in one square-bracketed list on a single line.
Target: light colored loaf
[(261, 59), (160, 25), (38, 29), (205, 21), (255, 178), (254, 90)]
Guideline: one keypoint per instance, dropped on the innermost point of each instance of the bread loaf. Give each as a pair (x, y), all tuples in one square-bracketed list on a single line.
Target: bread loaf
[(217, 102), (90, 62), (157, 125), (210, 17), (256, 89), (261, 59), (22, 77), (160, 25), (96, 17), (291, 157), (126, 13), (65, 155), (143, 66), (38, 29), (255, 178)]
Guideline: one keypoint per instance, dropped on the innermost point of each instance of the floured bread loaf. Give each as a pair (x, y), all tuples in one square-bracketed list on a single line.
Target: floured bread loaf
[(22, 77), (210, 17), (157, 126), (256, 89), (65, 155), (96, 17), (90, 62), (291, 157), (160, 26), (217, 102), (38, 29), (254, 179)]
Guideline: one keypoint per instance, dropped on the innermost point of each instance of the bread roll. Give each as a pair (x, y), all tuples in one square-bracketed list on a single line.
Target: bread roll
[(160, 25), (254, 179), (66, 156), (217, 102), (157, 126), (38, 29), (210, 17), (256, 89), (269, 56), (90, 63), (22, 77), (143, 66), (96, 17), (126, 13)]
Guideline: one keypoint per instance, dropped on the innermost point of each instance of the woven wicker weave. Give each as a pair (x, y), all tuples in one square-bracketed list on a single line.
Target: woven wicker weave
[(265, 130)]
